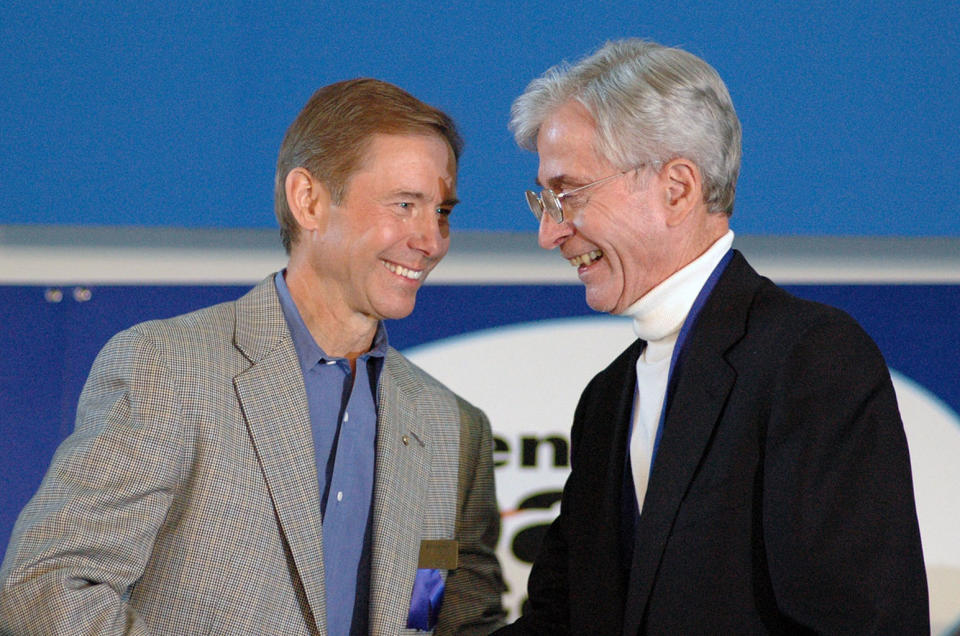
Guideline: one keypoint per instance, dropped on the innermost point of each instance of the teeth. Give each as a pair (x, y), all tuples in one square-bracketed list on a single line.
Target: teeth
[(585, 259), (412, 274)]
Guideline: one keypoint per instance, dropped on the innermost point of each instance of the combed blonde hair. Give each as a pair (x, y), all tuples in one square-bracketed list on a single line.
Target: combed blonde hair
[(332, 133)]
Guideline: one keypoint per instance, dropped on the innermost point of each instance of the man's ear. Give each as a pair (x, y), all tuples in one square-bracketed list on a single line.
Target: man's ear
[(683, 189), (307, 198)]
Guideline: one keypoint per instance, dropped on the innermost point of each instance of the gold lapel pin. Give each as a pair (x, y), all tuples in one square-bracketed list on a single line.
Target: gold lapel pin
[(406, 439), (416, 437)]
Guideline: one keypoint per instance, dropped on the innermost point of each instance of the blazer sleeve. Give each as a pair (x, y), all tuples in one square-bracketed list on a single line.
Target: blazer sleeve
[(472, 598), (839, 521), (84, 539), (547, 611)]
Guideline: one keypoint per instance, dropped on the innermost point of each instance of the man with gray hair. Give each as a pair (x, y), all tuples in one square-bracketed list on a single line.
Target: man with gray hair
[(742, 467)]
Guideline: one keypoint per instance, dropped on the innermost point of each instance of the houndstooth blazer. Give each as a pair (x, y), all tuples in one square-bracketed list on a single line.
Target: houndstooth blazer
[(186, 500)]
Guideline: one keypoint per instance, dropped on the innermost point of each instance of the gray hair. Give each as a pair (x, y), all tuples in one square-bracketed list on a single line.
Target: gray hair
[(651, 104)]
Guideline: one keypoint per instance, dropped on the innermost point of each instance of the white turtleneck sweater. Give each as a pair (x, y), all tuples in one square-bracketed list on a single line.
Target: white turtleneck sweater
[(657, 318)]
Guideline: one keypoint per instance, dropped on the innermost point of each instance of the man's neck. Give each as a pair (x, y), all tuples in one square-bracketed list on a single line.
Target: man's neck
[(339, 333)]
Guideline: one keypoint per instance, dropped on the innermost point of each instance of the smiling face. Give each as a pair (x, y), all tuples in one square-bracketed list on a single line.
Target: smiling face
[(616, 234), (370, 254)]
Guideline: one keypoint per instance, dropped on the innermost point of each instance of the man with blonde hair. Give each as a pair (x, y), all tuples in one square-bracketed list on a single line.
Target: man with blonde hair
[(271, 465), (742, 467)]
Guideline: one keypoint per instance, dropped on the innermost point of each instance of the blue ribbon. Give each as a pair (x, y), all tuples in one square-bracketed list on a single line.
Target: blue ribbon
[(427, 599)]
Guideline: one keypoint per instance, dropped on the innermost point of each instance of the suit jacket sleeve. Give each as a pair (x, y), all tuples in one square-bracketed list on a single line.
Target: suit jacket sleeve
[(472, 600), (85, 537), (548, 606), (839, 519), (547, 609)]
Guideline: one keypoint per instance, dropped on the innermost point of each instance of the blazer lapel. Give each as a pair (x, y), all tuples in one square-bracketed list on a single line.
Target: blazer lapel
[(400, 491), (702, 386), (274, 403)]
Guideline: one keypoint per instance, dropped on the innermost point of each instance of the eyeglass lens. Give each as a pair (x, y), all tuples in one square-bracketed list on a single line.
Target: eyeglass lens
[(547, 201), (536, 205)]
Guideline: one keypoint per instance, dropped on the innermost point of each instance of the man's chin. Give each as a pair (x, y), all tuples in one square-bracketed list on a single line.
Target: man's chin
[(597, 301), (396, 310)]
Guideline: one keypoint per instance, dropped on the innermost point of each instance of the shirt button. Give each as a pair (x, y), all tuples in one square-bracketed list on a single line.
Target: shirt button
[(346, 416), (340, 495)]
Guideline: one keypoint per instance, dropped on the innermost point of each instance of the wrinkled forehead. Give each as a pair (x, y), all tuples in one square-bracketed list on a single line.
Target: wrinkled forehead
[(420, 164), (567, 146), (368, 144)]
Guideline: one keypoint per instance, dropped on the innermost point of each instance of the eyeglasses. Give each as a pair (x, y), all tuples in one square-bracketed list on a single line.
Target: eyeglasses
[(552, 203)]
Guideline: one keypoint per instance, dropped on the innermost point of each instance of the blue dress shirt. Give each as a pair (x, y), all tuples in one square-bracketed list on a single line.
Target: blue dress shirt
[(343, 419)]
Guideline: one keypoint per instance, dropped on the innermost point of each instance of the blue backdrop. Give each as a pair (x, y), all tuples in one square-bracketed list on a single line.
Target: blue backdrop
[(170, 113)]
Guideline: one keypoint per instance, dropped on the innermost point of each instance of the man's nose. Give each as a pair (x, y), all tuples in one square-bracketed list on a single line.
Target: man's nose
[(430, 235), (551, 233)]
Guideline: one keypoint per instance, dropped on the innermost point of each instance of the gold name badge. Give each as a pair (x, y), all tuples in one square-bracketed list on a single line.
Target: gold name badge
[(440, 554)]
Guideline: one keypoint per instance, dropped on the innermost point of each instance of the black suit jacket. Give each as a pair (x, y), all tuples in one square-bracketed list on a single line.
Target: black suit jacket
[(780, 500)]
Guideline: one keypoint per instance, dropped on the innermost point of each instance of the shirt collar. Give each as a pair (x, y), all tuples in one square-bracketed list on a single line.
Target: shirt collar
[(661, 311), (308, 351)]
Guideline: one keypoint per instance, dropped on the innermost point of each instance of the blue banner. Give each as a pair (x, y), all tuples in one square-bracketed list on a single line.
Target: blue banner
[(522, 353), (171, 114)]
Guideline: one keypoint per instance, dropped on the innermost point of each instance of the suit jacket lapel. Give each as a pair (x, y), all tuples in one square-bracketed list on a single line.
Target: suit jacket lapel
[(400, 491), (274, 402), (702, 386)]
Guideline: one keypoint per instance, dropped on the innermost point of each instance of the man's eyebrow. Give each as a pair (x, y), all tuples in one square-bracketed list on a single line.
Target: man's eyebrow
[(420, 196), (555, 182), (409, 194)]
